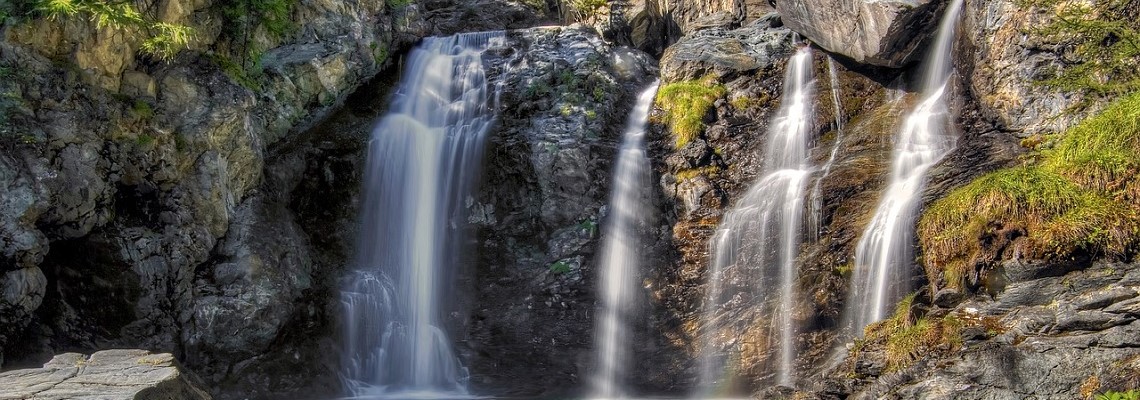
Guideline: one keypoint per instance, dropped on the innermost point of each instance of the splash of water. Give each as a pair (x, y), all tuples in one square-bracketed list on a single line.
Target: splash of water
[(755, 248), (421, 165), (883, 257), (620, 258)]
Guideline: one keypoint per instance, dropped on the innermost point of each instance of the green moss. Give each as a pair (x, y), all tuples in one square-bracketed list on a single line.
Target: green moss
[(907, 337), (685, 104), (1080, 195), (249, 77), (745, 102), (144, 140), (690, 173), (379, 53), (142, 110), (1101, 152), (560, 267), (180, 143)]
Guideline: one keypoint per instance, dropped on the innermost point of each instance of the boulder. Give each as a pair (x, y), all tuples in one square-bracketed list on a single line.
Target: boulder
[(104, 375), (888, 33)]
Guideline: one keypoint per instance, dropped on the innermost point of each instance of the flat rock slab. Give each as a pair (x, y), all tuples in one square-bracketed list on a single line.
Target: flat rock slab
[(105, 375)]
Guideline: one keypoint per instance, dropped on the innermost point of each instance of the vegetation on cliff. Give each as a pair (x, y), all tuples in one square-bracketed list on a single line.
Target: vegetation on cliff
[(685, 104), (161, 39), (1081, 194), (909, 335), (1103, 43)]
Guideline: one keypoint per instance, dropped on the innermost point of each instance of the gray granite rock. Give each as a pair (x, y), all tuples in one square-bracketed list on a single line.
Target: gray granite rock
[(105, 375), (888, 33)]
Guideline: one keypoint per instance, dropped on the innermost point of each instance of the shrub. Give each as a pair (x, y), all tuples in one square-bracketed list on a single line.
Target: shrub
[(685, 104), (583, 10), (163, 40), (1081, 195)]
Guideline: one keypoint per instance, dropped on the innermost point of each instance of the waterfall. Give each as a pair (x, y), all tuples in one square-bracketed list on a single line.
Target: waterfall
[(816, 191), (883, 257), (421, 165), (620, 259), (755, 247)]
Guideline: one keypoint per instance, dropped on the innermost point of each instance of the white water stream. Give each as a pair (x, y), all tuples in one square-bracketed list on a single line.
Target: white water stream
[(757, 242), (884, 257), (620, 264), (421, 165)]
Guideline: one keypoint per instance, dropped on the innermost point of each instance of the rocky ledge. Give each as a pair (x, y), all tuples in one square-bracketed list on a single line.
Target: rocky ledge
[(105, 375)]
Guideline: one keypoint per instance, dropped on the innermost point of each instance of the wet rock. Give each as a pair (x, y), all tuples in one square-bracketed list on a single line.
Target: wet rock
[(108, 374), (947, 298), (565, 99), (885, 33)]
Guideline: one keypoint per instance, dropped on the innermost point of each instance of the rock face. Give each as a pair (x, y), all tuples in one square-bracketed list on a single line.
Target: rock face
[(1057, 336), (157, 205), (566, 95), (107, 375), (1004, 64), (889, 33)]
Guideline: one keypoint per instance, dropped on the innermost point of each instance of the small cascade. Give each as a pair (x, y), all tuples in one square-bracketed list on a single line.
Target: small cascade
[(884, 255), (421, 164), (816, 190), (755, 248), (620, 259)]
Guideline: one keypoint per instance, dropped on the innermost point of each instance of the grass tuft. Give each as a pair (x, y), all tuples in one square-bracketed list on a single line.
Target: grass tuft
[(907, 337), (1081, 195), (685, 104)]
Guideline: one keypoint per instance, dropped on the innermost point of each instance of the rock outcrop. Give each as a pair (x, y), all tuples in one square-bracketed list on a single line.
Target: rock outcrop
[(1056, 335), (726, 53), (105, 375), (889, 33)]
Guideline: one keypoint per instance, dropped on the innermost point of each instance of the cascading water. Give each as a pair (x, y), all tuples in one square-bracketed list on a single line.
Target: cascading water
[(755, 248), (619, 267), (883, 258), (816, 191), (421, 165)]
